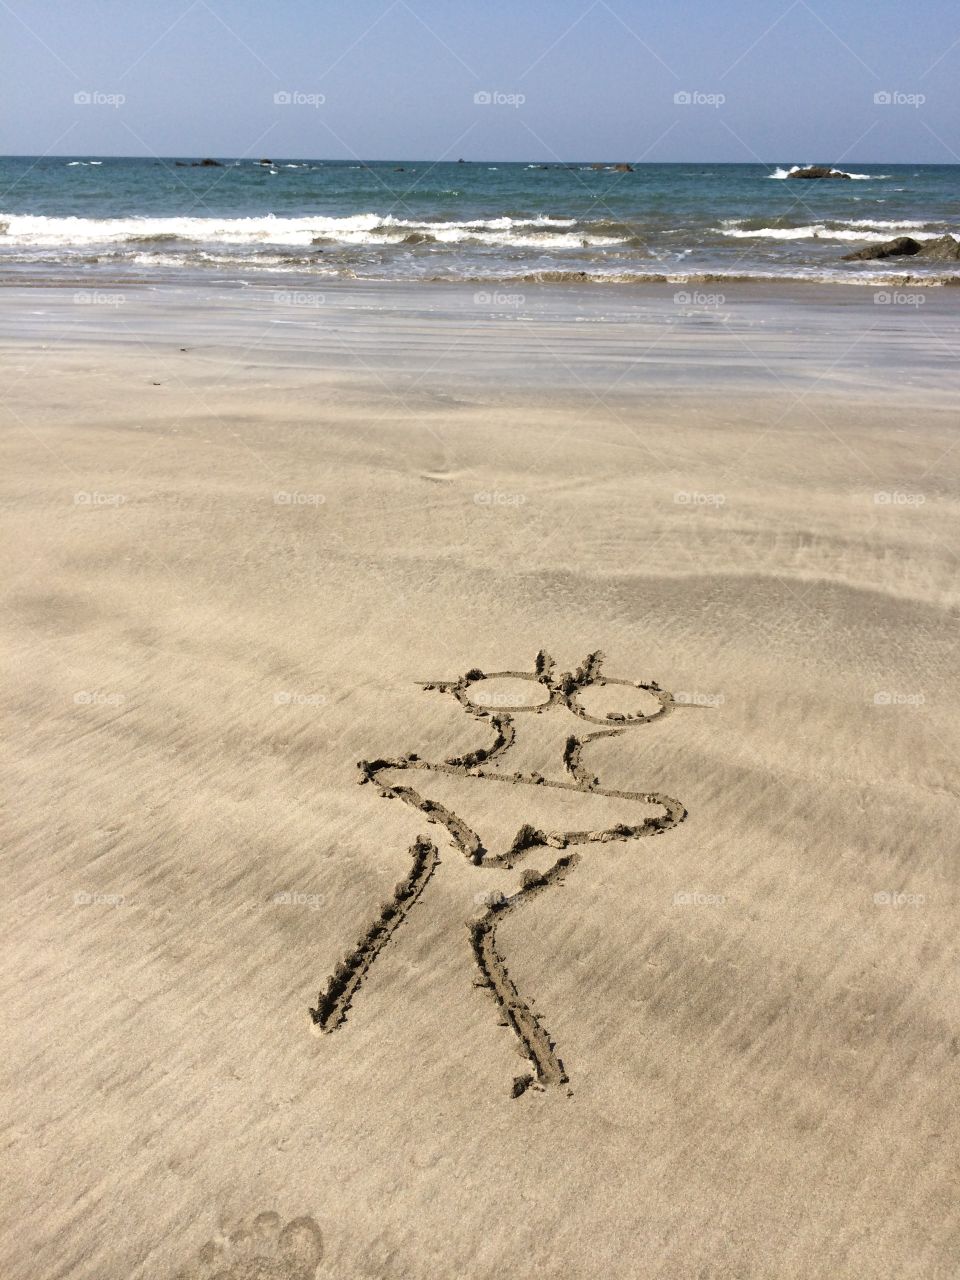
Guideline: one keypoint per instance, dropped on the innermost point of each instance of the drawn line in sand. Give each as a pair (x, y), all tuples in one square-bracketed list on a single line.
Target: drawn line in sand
[(343, 983), (539, 1048), (560, 693)]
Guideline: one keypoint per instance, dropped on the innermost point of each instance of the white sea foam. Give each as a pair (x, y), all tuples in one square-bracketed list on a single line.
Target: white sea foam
[(39, 231), (820, 231)]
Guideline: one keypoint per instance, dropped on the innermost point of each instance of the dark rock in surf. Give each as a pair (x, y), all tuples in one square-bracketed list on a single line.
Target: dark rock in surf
[(817, 171), (901, 247), (943, 249)]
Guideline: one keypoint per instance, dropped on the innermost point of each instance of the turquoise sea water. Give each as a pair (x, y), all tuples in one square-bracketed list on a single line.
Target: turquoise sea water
[(93, 216)]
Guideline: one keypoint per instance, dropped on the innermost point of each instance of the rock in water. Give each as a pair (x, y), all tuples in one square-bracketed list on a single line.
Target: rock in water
[(901, 247), (817, 171), (945, 249)]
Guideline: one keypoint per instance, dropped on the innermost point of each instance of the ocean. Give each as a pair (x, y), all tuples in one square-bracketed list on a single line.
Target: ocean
[(132, 219)]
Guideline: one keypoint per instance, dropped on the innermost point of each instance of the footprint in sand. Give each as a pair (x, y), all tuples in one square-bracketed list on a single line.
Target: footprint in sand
[(575, 693), (263, 1250)]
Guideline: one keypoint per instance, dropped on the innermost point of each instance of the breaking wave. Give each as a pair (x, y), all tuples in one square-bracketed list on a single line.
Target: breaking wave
[(858, 177)]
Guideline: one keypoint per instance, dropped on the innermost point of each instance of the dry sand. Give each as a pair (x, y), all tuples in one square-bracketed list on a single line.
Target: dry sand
[(233, 566)]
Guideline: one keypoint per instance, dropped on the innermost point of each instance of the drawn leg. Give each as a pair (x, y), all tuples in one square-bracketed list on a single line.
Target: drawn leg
[(333, 1003), (547, 1066)]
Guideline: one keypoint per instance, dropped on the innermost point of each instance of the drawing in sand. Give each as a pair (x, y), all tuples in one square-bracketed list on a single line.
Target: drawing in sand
[(563, 692)]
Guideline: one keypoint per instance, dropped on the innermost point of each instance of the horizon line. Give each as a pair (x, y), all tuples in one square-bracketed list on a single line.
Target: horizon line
[(636, 164)]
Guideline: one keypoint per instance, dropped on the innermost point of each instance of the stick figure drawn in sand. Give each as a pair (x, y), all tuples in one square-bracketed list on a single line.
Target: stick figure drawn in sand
[(560, 692)]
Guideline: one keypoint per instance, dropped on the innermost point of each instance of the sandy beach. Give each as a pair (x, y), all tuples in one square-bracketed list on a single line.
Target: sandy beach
[(247, 525)]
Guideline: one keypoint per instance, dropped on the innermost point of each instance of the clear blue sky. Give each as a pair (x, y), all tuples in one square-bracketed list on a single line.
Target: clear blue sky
[(199, 77)]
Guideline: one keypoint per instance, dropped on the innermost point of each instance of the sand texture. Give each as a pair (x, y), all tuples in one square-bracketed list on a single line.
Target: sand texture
[(634, 952)]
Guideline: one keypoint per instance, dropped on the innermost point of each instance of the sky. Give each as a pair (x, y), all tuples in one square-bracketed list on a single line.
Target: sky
[(831, 81)]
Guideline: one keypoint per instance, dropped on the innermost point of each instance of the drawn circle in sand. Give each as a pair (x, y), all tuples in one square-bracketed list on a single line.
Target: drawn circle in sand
[(616, 702), (507, 691)]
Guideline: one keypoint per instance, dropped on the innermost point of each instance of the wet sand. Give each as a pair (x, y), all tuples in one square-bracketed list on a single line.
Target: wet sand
[(234, 568)]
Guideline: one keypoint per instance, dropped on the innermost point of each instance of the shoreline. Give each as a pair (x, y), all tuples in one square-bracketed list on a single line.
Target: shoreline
[(861, 277), (589, 339)]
